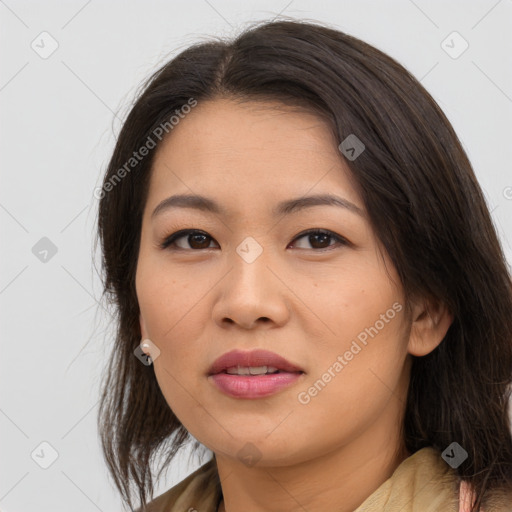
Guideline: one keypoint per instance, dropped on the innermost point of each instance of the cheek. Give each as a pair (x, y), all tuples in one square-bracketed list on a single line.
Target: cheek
[(175, 329), (166, 300), (164, 304), (360, 364), (342, 400), (359, 359), (346, 300)]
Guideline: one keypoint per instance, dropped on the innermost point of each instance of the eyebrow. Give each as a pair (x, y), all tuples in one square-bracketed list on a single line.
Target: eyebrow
[(287, 207)]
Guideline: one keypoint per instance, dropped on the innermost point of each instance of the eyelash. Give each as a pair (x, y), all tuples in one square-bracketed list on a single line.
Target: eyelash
[(171, 239)]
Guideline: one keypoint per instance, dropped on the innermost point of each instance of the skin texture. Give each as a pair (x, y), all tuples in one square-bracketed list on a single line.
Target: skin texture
[(305, 298)]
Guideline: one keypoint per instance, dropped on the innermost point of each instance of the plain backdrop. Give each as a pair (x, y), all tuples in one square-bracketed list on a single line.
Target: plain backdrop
[(60, 113)]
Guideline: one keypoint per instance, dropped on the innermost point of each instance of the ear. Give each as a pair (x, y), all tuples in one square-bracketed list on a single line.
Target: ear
[(430, 323), (143, 329)]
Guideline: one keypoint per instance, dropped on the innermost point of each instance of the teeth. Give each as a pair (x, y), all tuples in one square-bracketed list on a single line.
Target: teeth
[(251, 370)]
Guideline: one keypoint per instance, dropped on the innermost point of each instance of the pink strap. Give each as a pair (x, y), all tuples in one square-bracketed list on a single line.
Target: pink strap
[(465, 497)]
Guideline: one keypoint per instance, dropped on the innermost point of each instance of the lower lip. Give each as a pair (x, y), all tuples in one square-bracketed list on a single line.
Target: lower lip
[(256, 386)]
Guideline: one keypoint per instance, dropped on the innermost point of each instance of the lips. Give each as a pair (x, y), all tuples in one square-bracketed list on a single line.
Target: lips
[(253, 375), (254, 359)]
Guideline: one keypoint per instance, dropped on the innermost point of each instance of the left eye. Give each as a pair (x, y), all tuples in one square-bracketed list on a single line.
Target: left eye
[(317, 238)]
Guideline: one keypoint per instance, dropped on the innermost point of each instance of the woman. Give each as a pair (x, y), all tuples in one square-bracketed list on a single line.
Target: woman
[(308, 282)]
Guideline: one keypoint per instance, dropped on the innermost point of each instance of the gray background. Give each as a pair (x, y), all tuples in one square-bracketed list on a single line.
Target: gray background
[(59, 117)]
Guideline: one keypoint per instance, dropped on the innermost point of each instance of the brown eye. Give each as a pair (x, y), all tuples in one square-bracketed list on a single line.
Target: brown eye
[(320, 239), (195, 239)]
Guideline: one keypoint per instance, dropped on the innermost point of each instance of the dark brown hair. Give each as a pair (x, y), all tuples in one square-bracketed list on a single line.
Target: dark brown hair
[(424, 204)]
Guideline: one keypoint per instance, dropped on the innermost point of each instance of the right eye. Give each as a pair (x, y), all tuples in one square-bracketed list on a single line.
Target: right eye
[(195, 238)]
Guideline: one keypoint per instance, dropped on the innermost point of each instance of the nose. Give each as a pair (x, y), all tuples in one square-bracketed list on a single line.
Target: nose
[(252, 294)]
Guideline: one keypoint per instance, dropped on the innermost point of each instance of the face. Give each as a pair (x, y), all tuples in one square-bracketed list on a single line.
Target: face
[(250, 276)]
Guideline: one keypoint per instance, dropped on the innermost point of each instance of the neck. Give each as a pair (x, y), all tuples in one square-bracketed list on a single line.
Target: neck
[(345, 477)]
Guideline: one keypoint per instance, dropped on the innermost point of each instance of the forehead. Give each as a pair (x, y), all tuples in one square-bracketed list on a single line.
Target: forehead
[(250, 148)]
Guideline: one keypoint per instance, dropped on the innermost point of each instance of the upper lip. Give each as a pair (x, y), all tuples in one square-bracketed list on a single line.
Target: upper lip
[(252, 358)]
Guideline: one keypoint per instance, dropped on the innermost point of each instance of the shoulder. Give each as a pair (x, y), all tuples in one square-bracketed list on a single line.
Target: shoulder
[(446, 479), (497, 500), (421, 482), (199, 491)]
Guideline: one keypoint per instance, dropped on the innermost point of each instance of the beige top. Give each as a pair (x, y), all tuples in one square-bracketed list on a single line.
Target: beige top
[(423, 482)]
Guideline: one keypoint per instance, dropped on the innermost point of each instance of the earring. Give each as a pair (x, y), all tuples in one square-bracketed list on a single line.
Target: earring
[(150, 350)]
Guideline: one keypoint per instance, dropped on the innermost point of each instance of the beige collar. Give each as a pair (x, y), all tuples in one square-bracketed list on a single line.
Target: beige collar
[(423, 481)]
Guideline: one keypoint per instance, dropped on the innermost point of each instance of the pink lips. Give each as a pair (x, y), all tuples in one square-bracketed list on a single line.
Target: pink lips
[(252, 386)]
